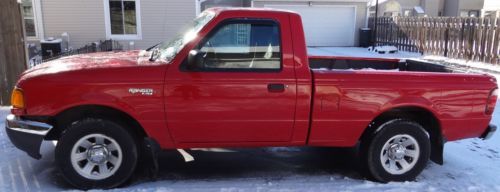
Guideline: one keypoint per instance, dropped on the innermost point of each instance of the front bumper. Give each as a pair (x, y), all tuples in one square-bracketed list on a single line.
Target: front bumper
[(490, 130), (26, 135)]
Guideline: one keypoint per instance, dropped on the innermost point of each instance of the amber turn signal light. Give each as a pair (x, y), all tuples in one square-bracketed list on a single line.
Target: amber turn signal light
[(17, 98)]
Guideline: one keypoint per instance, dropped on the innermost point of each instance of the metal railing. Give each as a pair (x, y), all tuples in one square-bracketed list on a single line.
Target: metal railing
[(101, 46)]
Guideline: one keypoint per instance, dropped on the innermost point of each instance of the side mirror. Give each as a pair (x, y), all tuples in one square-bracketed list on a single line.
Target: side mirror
[(195, 59)]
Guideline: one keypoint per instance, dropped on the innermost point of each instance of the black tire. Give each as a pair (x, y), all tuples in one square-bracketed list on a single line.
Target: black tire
[(86, 127), (373, 146)]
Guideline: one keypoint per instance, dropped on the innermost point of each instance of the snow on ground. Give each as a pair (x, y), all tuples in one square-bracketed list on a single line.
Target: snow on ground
[(470, 165), (357, 52)]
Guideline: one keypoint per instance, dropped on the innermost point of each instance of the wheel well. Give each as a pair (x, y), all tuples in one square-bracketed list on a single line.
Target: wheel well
[(62, 120), (419, 115)]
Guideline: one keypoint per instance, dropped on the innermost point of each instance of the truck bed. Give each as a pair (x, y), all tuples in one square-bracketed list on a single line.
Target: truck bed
[(350, 92), (372, 64)]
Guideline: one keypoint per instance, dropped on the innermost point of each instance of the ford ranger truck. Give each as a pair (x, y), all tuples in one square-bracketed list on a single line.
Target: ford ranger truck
[(242, 78)]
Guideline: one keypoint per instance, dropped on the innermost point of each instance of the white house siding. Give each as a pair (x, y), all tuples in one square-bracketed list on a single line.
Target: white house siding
[(409, 4), (432, 8), (162, 19), (402, 5), (360, 10), (471, 5), (492, 4), (452, 8), (225, 3), (84, 20)]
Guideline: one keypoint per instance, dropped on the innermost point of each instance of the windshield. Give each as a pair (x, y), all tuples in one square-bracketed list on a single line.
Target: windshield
[(169, 49)]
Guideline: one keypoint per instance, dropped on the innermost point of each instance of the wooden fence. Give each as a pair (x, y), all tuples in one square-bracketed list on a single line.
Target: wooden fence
[(471, 39)]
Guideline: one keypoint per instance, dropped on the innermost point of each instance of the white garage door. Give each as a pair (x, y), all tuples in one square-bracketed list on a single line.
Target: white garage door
[(326, 25)]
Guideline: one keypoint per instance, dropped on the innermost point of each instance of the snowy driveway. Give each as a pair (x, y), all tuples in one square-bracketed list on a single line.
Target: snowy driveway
[(470, 165)]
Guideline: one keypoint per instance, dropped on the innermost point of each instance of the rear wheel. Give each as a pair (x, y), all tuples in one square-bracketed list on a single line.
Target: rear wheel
[(96, 153), (398, 151)]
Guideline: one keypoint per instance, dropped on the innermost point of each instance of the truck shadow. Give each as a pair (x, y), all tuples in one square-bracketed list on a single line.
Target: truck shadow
[(243, 165), (262, 163)]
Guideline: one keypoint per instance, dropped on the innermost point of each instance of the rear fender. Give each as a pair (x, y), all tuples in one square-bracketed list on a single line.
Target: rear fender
[(437, 139)]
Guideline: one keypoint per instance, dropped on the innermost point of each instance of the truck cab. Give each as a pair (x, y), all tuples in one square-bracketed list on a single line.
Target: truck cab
[(238, 82)]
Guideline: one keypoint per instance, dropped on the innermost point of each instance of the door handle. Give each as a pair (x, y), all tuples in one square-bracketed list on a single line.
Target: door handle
[(276, 87)]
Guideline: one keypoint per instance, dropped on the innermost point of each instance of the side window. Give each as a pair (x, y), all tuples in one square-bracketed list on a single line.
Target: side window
[(243, 46)]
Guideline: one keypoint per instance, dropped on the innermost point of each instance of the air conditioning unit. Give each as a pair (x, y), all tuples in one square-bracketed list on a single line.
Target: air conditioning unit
[(50, 47)]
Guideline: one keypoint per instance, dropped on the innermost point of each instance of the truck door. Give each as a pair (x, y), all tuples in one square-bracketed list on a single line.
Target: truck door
[(243, 88)]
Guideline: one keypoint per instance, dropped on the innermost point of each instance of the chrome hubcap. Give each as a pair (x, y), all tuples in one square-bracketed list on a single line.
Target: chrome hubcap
[(96, 156), (396, 151), (400, 154)]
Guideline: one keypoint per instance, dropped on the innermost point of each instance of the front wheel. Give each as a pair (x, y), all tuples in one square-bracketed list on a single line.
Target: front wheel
[(399, 151), (96, 153)]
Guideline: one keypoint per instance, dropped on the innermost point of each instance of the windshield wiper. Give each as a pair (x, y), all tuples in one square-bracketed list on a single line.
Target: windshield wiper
[(153, 54), (149, 49)]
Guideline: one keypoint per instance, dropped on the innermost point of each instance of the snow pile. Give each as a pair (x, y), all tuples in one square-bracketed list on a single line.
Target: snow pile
[(383, 49)]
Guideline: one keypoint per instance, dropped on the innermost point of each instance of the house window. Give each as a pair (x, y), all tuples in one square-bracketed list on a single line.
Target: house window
[(474, 13), (123, 19), (464, 13), (469, 13), (408, 12), (29, 18)]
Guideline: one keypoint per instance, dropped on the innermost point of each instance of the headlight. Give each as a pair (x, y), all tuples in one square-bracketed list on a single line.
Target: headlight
[(17, 98)]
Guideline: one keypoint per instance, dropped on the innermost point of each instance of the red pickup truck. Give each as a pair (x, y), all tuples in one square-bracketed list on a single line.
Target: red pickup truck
[(243, 78)]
